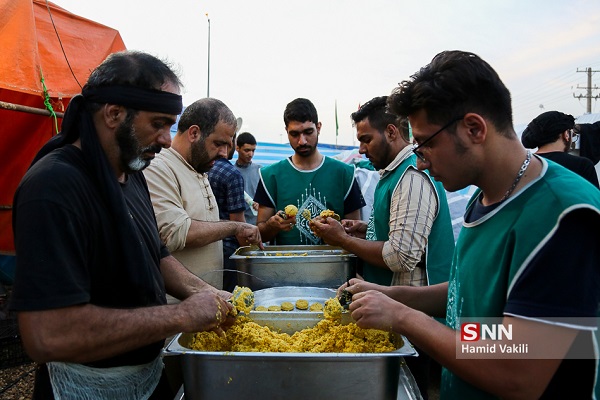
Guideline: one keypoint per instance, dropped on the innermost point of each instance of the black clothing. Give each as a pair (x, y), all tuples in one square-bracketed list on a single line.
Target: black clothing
[(590, 141), (64, 233), (82, 237), (580, 165)]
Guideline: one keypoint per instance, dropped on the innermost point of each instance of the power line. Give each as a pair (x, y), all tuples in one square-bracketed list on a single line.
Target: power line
[(548, 92), (588, 89)]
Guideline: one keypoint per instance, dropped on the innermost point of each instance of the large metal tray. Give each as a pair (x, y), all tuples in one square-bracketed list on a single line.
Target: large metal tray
[(290, 376), (276, 295), (316, 266), (289, 322)]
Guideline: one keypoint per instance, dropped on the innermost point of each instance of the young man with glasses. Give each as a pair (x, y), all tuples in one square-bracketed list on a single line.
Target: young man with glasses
[(553, 133), (510, 263)]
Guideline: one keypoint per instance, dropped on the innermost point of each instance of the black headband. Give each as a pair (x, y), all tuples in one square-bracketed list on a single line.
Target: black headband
[(135, 97)]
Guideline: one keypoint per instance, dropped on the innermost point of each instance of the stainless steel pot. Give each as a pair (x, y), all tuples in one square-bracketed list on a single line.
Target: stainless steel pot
[(317, 266)]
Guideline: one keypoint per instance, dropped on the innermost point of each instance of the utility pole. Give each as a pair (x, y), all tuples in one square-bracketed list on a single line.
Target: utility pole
[(208, 69), (589, 88)]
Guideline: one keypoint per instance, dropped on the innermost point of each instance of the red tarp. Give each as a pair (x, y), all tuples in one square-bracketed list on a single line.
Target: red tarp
[(31, 50)]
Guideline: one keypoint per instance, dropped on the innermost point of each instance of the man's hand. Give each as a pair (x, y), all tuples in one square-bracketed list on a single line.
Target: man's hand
[(247, 234), (278, 223), (206, 311), (373, 309), (359, 285), (329, 229), (356, 228)]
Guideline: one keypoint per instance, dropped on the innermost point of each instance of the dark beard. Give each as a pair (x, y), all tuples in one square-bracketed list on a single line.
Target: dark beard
[(308, 154), (130, 152), (199, 158)]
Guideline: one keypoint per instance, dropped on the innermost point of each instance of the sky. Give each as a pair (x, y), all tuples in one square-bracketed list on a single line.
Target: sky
[(340, 54)]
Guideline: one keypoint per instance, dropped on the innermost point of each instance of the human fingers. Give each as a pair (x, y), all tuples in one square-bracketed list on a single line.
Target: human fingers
[(363, 303), (275, 222), (288, 224), (205, 310), (219, 331), (356, 295), (224, 294), (351, 228), (252, 234), (343, 286), (358, 285), (356, 280)]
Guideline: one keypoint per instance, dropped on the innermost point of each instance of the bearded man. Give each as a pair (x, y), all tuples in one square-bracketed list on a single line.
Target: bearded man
[(186, 209)]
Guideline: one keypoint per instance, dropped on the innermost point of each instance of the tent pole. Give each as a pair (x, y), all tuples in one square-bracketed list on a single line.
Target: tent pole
[(31, 110)]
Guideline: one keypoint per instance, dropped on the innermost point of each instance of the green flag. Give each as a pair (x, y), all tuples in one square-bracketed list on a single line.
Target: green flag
[(337, 126)]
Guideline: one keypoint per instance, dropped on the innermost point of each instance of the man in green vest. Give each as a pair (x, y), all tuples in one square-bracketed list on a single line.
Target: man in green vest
[(524, 285), (409, 239), (308, 180)]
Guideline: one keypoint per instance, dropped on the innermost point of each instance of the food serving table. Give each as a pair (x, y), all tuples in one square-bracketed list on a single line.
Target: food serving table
[(290, 376)]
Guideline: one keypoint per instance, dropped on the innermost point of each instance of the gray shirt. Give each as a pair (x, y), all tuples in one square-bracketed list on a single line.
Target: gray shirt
[(251, 177)]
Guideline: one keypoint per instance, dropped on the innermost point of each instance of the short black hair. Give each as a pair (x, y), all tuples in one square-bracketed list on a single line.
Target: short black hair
[(206, 113), (245, 138), (131, 68), (300, 110), (379, 116), (452, 85), (546, 128)]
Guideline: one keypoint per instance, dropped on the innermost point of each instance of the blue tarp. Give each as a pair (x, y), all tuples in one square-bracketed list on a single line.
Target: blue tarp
[(269, 153)]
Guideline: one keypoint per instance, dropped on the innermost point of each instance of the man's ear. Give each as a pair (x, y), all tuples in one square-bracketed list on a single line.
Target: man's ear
[(391, 132), (193, 133), (476, 127), (318, 128), (113, 115)]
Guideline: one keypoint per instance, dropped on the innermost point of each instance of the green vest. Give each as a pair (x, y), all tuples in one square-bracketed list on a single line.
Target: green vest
[(440, 243), (324, 188), (491, 252)]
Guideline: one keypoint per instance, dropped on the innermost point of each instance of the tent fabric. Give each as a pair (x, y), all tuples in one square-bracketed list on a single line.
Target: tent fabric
[(30, 43), (32, 51)]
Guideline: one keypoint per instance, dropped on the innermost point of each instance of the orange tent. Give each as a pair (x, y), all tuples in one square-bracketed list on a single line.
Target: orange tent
[(47, 54)]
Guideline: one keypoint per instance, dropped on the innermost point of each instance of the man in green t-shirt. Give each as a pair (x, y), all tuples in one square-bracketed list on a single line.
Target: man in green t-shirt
[(308, 180), (408, 239), (522, 298)]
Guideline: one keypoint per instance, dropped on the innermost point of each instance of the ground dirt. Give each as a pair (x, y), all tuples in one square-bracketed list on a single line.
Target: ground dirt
[(17, 383)]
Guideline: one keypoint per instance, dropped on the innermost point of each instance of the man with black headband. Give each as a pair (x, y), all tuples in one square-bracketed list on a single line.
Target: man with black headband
[(553, 133), (92, 271), (185, 205)]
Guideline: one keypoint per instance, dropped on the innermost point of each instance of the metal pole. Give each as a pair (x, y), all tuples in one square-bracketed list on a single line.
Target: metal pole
[(589, 91), (32, 110), (208, 70)]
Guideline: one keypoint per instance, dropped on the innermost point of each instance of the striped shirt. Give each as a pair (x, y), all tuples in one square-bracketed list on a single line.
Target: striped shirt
[(412, 213)]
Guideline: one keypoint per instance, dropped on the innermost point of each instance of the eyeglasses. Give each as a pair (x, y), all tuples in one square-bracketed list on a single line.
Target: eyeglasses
[(416, 147), (574, 135)]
